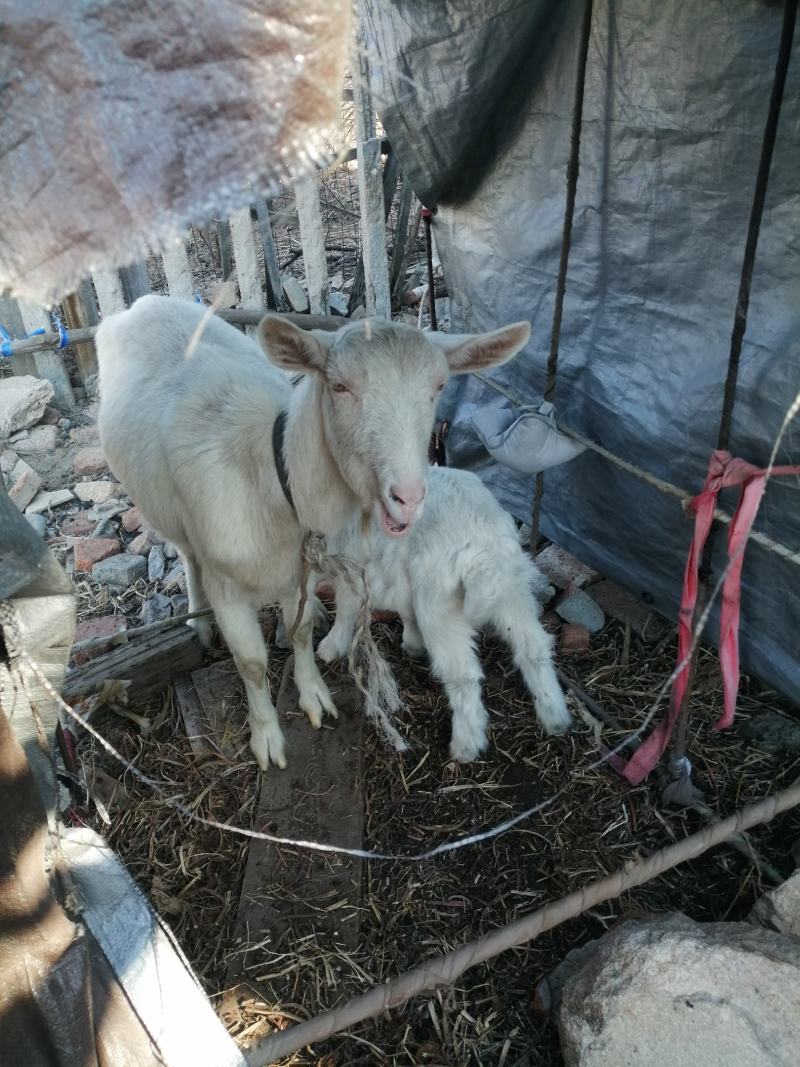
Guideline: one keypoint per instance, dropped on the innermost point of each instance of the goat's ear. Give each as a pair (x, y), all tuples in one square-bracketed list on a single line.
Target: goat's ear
[(289, 347), (467, 352)]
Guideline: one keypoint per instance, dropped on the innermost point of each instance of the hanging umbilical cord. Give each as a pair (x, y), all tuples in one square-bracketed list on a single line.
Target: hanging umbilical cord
[(678, 754), (573, 166)]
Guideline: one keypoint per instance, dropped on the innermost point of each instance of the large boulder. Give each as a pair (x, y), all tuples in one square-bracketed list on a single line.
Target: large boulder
[(779, 909), (670, 992), (22, 402)]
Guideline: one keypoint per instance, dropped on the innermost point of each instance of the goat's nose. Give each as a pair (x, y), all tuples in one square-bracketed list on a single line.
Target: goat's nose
[(408, 494)]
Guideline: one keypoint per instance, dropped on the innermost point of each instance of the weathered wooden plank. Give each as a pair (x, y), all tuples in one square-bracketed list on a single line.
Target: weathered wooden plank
[(289, 893), (391, 169), (312, 238), (178, 270), (22, 362), (400, 238), (223, 228), (135, 281), (219, 692), (246, 254), (192, 715), (49, 365), (79, 313), (148, 662), (373, 229), (275, 296), (110, 296)]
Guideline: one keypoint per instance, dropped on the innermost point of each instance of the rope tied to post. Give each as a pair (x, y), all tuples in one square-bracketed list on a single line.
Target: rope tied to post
[(370, 671)]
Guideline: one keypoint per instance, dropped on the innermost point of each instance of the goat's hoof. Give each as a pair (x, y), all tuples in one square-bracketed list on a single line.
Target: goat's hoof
[(554, 716), (329, 649), (317, 703), (205, 634), (467, 750), (413, 651), (268, 747)]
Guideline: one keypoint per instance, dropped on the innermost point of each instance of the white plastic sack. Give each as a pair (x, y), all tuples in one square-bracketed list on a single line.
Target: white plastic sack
[(526, 440)]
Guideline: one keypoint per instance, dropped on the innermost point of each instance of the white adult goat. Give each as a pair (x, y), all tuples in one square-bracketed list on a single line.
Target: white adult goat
[(187, 410), (461, 567)]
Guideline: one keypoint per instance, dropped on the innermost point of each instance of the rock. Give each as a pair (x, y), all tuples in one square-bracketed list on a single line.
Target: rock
[(92, 410), (39, 439), (563, 570), (338, 302), (180, 604), (38, 523), (361, 313), (575, 640), (131, 520), (140, 545), (89, 461), (155, 608), (84, 435), (24, 484), (155, 563), (64, 424), (8, 460), (779, 909), (669, 992), (295, 293), (52, 417), (90, 550), (90, 385), (627, 608), (773, 732), (96, 492), (175, 577), (79, 525), (170, 551), (107, 626), (23, 399), (45, 501), (113, 506), (580, 609), (120, 571)]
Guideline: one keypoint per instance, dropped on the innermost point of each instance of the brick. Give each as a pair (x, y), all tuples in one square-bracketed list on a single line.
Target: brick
[(107, 626), (79, 525), (627, 608), (140, 545), (563, 570), (89, 461), (575, 640), (90, 550), (131, 520), (46, 501), (25, 484)]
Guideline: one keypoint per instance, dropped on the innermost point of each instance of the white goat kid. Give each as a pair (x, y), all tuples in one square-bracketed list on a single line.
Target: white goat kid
[(461, 568), (187, 410)]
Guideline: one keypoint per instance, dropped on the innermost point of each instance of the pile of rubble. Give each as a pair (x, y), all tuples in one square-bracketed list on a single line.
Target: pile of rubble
[(56, 474)]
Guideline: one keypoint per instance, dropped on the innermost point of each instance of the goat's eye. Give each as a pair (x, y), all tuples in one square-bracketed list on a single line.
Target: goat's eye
[(337, 387)]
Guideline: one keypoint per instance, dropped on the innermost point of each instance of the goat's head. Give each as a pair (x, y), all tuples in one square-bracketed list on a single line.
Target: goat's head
[(380, 383)]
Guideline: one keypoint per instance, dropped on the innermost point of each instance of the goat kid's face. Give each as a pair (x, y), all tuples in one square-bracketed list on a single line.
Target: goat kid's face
[(380, 386)]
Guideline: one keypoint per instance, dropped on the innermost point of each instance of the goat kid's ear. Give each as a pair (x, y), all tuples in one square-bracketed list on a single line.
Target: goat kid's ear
[(467, 352), (289, 347)]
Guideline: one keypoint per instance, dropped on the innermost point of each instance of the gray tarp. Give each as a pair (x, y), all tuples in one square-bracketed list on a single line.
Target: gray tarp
[(477, 99), (122, 121)]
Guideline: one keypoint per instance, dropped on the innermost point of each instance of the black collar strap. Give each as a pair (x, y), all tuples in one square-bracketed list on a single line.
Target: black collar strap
[(278, 441)]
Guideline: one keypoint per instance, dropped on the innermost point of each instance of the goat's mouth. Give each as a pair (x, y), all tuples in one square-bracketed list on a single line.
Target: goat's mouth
[(391, 527)]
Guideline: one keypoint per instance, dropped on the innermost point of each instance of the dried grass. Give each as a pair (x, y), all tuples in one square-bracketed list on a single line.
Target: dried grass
[(413, 910)]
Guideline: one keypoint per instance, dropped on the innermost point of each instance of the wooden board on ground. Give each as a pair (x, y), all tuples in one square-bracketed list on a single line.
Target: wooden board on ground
[(218, 690), (148, 662), (292, 893)]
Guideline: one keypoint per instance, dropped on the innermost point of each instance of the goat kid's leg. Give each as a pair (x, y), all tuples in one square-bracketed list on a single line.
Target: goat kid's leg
[(241, 629), (198, 601), (412, 643), (517, 623), (315, 697), (337, 644), (448, 638)]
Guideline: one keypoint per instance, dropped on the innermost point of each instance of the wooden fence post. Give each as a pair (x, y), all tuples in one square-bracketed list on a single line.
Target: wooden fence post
[(246, 255), (110, 295), (275, 296), (312, 238), (23, 363), (135, 281), (373, 229), (49, 365), (178, 270), (80, 311)]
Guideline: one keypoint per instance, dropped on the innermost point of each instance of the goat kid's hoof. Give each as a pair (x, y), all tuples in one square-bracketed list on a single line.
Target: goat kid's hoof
[(316, 703), (554, 716), (269, 747), (330, 649), (467, 750), (413, 651), (204, 631)]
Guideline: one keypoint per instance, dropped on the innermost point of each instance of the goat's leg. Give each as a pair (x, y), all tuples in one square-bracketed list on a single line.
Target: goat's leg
[(337, 644), (516, 621), (412, 645), (241, 629), (448, 638), (198, 601), (315, 698)]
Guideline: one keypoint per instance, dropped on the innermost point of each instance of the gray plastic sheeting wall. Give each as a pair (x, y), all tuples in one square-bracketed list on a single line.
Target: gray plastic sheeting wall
[(477, 98)]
